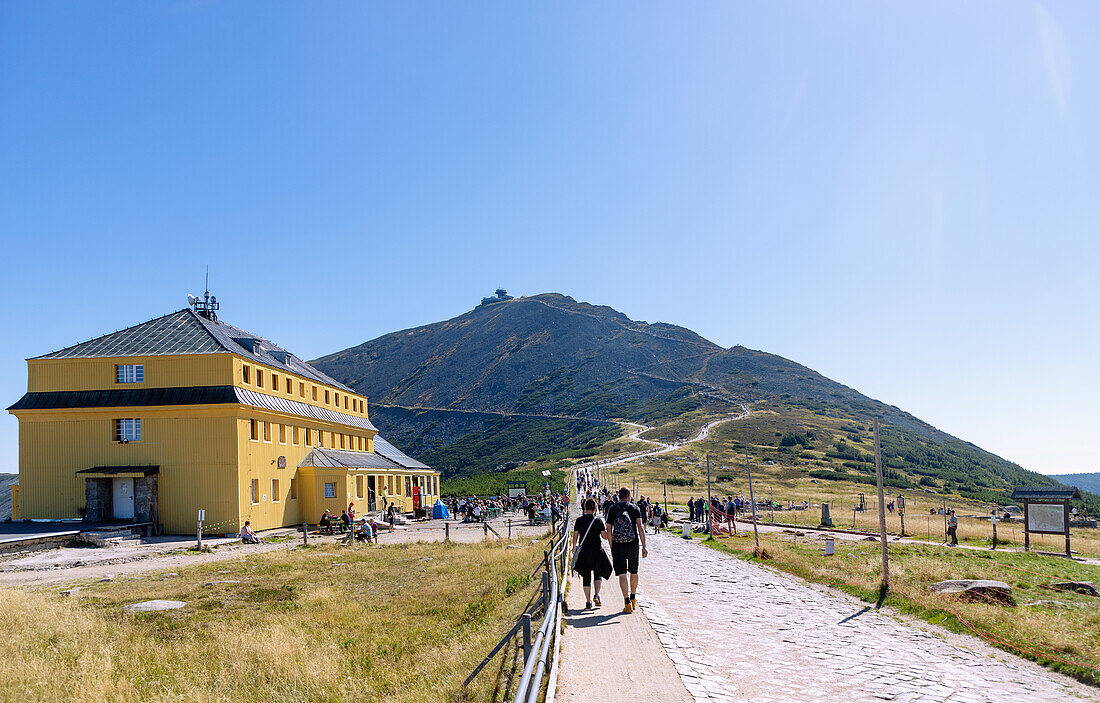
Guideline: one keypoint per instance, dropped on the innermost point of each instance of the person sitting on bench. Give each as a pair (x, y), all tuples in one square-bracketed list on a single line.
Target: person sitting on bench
[(325, 523)]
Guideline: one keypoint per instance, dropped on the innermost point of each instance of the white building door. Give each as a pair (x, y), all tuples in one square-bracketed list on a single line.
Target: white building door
[(123, 498)]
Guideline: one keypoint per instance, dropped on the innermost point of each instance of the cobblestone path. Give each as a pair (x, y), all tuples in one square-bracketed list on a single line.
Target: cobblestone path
[(737, 631)]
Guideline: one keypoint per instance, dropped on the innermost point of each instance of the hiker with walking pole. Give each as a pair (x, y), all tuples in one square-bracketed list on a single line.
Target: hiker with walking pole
[(626, 533)]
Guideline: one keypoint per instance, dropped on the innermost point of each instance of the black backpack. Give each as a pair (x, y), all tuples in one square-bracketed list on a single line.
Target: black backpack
[(622, 527)]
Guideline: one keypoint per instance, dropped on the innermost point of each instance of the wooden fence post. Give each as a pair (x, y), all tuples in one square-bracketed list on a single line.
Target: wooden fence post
[(881, 512)]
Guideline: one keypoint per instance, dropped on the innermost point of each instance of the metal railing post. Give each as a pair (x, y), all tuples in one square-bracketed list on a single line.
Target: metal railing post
[(525, 623)]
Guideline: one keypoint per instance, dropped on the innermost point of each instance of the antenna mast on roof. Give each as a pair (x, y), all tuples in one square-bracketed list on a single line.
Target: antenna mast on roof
[(208, 306)]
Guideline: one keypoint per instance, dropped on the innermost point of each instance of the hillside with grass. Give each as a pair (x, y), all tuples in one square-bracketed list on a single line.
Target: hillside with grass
[(514, 380), (1085, 482)]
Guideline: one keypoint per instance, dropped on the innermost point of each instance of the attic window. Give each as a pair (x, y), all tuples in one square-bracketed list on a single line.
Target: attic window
[(130, 373), (283, 357)]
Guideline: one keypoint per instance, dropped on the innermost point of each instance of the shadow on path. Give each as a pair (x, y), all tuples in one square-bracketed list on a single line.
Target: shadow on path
[(855, 615), (588, 618)]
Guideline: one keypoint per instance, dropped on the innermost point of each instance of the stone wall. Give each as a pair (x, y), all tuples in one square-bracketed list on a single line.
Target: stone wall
[(145, 499), (98, 500)]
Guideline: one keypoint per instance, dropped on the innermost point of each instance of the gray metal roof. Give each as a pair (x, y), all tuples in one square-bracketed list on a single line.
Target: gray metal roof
[(198, 395), (293, 407), (343, 459), (186, 332), (126, 397), (396, 455), (340, 459), (1045, 493)]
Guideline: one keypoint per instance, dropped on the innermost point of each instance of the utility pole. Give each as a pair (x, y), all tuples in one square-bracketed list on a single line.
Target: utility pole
[(881, 512), (708, 478), (752, 499)]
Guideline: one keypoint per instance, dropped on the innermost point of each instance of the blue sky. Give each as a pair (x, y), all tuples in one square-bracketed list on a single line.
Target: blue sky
[(904, 198)]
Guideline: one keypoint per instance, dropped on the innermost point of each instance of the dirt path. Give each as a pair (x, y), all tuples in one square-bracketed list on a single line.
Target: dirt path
[(609, 656), (661, 447), (68, 565), (139, 564)]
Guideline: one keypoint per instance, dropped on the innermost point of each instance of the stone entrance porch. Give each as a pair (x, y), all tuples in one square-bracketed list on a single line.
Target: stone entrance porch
[(99, 492)]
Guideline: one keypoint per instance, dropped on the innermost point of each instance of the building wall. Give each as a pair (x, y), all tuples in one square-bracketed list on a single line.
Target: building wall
[(44, 375), (301, 389), (194, 446), (259, 461), (99, 374)]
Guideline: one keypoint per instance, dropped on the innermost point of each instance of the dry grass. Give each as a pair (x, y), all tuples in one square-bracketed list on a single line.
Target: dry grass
[(404, 623), (1063, 631), (784, 477)]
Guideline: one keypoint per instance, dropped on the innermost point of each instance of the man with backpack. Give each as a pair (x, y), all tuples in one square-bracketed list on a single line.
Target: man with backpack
[(626, 533)]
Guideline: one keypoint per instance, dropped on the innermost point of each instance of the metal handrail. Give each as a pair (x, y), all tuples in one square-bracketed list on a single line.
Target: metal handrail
[(536, 656), (531, 682)]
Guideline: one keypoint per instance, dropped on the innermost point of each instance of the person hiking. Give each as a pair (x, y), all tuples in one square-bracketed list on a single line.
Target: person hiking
[(589, 559), (952, 527), (658, 513), (626, 534)]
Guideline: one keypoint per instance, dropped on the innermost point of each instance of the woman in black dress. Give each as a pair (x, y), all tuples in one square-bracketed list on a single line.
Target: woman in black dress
[(591, 561)]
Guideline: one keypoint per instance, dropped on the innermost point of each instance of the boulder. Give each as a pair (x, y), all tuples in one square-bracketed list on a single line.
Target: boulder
[(1083, 587), (977, 590)]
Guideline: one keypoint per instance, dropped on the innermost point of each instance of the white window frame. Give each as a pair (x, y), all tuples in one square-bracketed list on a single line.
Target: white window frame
[(128, 429), (129, 373), (333, 491)]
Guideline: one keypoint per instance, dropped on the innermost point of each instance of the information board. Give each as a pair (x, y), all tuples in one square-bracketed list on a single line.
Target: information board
[(1046, 517)]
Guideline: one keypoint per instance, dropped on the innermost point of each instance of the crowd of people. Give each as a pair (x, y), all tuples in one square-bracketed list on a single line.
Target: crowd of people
[(537, 508)]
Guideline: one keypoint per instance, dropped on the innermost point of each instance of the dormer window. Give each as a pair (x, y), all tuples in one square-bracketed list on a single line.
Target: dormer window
[(130, 373), (249, 344)]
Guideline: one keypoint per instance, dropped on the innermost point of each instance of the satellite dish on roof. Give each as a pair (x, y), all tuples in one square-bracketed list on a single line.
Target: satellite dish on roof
[(191, 300)]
